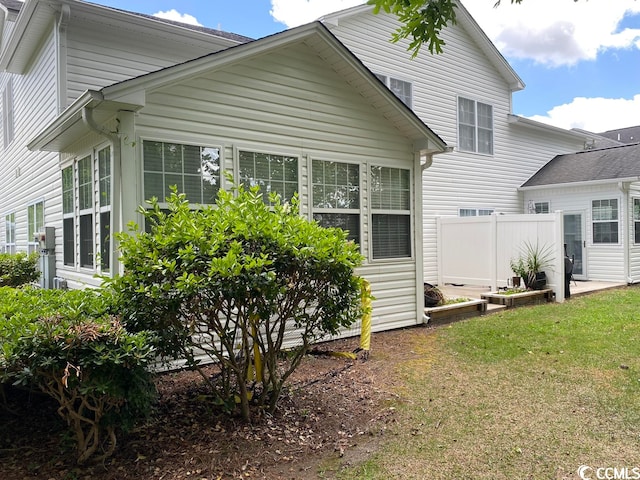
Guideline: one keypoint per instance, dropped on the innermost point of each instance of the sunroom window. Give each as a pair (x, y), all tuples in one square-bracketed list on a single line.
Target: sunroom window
[(68, 217), (391, 212), (336, 196), (272, 173), (10, 233)]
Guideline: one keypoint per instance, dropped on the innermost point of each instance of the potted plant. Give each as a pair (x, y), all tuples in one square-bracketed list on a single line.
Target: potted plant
[(532, 263), (432, 296), (519, 268)]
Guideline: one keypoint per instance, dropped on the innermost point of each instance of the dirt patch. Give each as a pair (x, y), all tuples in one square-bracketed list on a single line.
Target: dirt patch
[(334, 413)]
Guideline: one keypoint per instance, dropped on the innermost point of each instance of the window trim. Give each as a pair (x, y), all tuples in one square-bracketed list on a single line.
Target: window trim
[(10, 232), (191, 143), (32, 229), (616, 221), (395, 212), (329, 210), (475, 126)]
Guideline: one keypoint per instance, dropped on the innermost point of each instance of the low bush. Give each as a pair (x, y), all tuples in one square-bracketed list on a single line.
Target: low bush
[(18, 269), (67, 345)]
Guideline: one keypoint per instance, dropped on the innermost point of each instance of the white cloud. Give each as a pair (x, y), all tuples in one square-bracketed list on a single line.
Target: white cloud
[(297, 12), (176, 16), (556, 32), (594, 114)]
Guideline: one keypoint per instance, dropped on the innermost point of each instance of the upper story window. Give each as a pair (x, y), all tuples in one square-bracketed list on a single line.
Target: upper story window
[(10, 233), (475, 126), (7, 113), (604, 219), (336, 196), (272, 173), (35, 224), (390, 212), (195, 170), (474, 212), (403, 90)]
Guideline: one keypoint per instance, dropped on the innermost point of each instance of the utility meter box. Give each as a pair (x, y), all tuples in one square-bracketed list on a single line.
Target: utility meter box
[(46, 239)]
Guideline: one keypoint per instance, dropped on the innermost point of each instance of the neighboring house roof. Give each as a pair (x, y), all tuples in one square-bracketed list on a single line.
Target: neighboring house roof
[(130, 94), (613, 164), (35, 17), (597, 140), (624, 135), (464, 19)]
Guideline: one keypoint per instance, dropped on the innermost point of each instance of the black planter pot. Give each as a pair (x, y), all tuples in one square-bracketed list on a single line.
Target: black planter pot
[(432, 295), (538, 282)]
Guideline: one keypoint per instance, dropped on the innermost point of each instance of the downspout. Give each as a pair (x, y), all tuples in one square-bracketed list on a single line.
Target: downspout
[(624, 188), (114, 224)]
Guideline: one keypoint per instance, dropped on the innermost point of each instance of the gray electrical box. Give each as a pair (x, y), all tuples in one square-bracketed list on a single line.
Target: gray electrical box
[(46, 239)]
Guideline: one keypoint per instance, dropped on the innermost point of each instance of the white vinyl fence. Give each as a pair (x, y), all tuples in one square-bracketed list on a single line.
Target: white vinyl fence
[(478, 250)]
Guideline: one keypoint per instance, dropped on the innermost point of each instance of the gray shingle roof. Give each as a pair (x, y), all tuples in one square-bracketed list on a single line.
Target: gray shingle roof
[(624, 135), (602, 164)]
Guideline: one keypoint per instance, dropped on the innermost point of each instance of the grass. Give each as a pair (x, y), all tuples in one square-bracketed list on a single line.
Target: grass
[(530, 393)]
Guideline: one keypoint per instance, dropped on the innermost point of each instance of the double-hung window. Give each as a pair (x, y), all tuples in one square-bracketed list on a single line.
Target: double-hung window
[(402, 89), (85, 211), (194, 169), (10, 233), (636, 220), (68, 217), (336, 196), (272, 173), (474, 212), (35, 224), (104, 189), (604, 219), (475, 126), (390, 212)]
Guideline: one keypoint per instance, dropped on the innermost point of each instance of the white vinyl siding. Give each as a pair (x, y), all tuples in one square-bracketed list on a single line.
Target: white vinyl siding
[(336, 196), (7, 113), (10, 233)]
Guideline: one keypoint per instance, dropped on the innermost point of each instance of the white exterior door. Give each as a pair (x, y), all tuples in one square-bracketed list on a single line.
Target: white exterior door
[(574, 239)]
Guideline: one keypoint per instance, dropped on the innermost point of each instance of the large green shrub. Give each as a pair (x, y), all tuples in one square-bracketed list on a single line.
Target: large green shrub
[(237, 284), (18, 269), (67, 345)]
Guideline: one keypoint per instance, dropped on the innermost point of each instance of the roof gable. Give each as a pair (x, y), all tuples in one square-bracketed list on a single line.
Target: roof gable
[(69, 125), (613, 164), (466, 21)]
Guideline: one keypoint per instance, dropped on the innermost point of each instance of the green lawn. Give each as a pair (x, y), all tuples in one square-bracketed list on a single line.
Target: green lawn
[(530, 393)]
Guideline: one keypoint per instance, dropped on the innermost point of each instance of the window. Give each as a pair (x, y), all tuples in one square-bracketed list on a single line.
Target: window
[(391, 212), (475, 126), (541, 207), (85, 211), (272, 173), (336, 196), (104, 186), (10, 233), (68, 222), (636, 219), (474, 212), (35, 224), (604, 218), (7, 113), (194, 169), (401, 89)]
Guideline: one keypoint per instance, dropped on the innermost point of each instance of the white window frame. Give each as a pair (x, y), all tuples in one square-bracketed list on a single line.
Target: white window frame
[(596, 221), (69, 215), (103, 164), (86, 213), (10, 233), (8, 125), (318, 211), (291, 187), (378, 210), (35, 224), (167, 175), (539, 207), (636, 220), (474, 125), (391, 83)]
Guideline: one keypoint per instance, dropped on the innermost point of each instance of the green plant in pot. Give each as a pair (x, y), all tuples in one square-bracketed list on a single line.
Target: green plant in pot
[(533, 260), (519, 268)]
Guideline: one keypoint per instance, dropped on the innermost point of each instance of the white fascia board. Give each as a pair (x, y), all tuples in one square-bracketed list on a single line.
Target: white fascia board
[(544, 127)]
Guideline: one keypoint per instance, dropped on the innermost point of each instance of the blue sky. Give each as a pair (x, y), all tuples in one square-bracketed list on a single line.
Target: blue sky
[(580, 61)]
